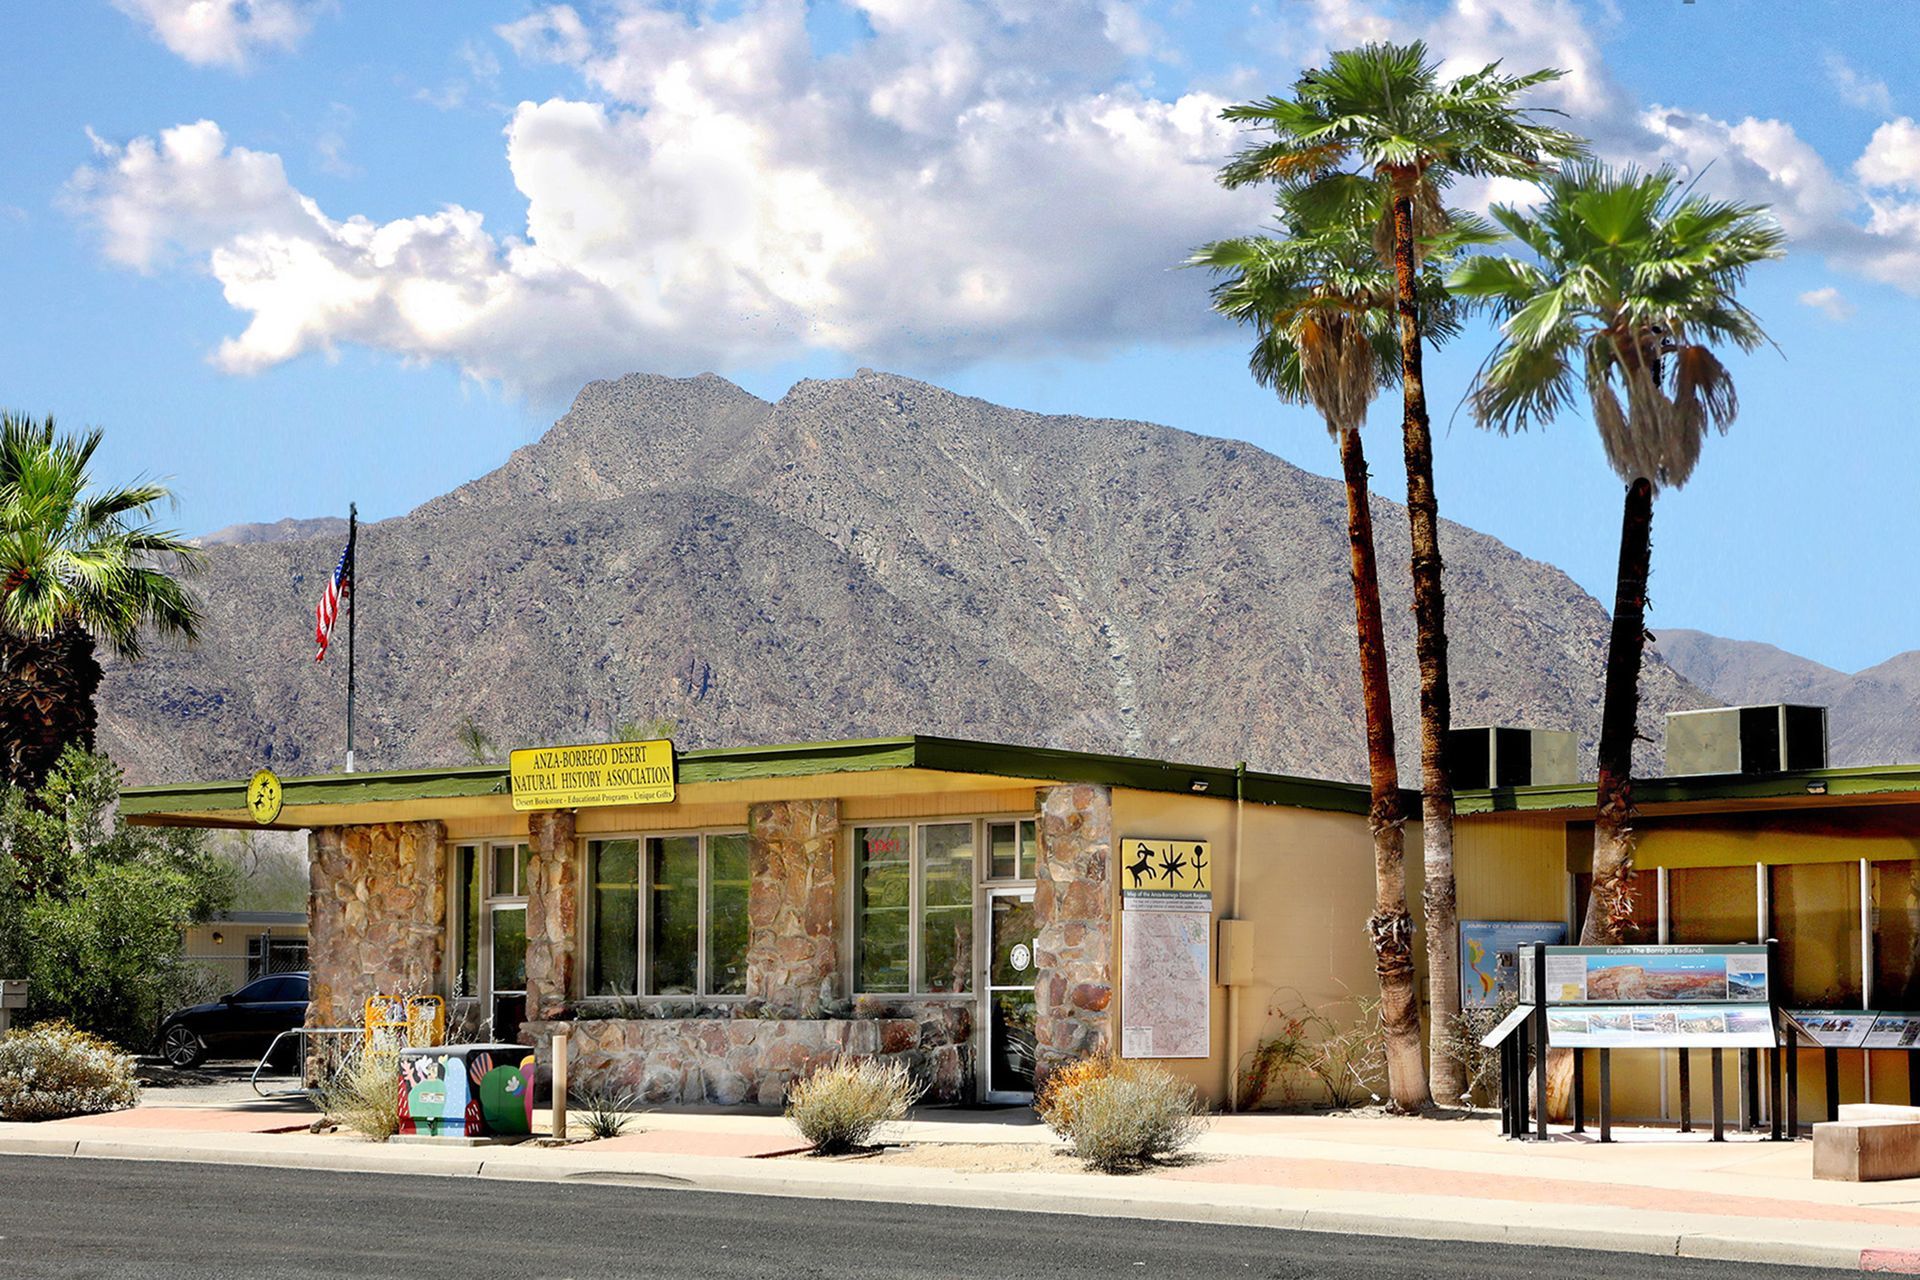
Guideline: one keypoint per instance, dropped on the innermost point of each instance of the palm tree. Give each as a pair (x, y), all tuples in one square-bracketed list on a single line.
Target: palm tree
[(1322, 305), (1630, 285), (1378, 127), (475, 742), (78, 565)]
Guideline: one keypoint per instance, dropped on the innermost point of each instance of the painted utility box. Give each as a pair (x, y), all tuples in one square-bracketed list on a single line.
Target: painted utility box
[(467, 1090)]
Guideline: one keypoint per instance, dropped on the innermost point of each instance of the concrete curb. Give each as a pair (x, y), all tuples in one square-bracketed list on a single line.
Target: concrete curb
[(695, 1174)]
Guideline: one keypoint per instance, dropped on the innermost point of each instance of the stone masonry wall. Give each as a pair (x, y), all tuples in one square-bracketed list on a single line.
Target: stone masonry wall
[(1073, 907), (553, 909), (793, 950), (727, 1061), (376, 915)]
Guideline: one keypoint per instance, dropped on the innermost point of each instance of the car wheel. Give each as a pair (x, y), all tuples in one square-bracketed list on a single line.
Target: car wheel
[(181, 1047)]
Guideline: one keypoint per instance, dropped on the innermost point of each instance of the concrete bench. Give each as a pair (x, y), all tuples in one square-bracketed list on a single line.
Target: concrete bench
[(1876, 1111), (1867, 1150)]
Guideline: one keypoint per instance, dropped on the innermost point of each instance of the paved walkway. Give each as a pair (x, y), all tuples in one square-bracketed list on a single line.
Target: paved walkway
[(1653, 1191)]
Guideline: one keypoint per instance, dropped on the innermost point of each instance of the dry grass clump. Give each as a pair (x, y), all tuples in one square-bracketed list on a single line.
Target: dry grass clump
[(363, 1093), (52, 1069), (1120, 1115), (842, 1105)]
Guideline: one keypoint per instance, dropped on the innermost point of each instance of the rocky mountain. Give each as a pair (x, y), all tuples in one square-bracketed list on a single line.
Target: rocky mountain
[(288, 530), (1873, 716), (870, 555)]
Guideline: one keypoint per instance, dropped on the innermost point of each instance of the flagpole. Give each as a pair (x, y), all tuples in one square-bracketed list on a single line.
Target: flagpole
[(353, 590)]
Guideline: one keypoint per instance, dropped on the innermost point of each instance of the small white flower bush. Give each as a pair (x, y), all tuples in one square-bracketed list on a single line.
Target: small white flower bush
[(51, 1070), (842, 1105)]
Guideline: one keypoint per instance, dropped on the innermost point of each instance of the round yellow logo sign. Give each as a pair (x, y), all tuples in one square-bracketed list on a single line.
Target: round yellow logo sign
[(263, 797)]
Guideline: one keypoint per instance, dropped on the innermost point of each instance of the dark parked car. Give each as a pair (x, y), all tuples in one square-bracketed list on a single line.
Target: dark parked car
[(240, 1025)]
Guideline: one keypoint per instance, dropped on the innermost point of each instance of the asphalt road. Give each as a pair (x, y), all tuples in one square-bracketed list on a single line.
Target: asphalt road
[(69, 1217)]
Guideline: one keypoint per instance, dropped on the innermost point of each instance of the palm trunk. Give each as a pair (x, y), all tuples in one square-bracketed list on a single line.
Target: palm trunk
[(1610, 904), (47, 685), (1390, 928), (1430, 644)]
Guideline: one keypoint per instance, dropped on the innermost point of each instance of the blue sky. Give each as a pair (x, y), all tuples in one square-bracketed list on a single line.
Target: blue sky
[(291, 253)]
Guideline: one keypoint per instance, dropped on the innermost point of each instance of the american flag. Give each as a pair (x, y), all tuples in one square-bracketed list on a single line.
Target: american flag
[(337, 590)]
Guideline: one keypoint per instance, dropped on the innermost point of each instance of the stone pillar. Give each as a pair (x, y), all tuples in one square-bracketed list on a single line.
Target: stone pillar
[(793, 951), (1073, 907), (376, 916), (553, 911)]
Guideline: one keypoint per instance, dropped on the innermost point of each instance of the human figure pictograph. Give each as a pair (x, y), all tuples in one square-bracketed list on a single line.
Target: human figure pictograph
[(1199, 862)]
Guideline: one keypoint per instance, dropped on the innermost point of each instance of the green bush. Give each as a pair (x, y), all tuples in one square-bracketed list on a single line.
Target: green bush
[(842, 1105), (362, 1093), (92, 910), (1132, 1115), (51, 1070)]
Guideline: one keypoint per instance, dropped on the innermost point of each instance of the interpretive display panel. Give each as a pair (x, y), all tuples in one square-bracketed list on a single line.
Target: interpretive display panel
[(1894, 1031), (1835, 1030), (1727, 1026), (1637, 975), (1488, 950)]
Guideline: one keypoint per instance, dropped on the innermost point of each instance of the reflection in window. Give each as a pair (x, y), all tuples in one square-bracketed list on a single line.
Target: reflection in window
[(1895, 887), (1816, 916), (509, 949), (882, 858), (946, 907), (466, 981), (728, 874), (613, 870), (673, 915)]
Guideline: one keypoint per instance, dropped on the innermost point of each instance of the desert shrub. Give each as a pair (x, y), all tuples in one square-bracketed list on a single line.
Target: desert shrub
[(362, 1093), (842, 1105), (1341, 1048), (605, 1112), (1464, 1031), (1055, 1101), (1133, 1115), (51, 1070)]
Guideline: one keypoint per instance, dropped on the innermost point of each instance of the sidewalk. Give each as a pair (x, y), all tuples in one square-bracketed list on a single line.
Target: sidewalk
[(1651, 1192)]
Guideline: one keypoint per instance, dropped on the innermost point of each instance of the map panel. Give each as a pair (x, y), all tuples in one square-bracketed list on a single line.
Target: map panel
[(1166, 986)]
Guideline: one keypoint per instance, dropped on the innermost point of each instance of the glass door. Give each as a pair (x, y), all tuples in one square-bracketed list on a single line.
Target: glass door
[(1011, 970)]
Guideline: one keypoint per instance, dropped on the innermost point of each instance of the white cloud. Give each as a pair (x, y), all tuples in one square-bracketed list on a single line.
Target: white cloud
[(1892, 157), (972, 180), (1829, 302), (1856, 87), (224, 32)]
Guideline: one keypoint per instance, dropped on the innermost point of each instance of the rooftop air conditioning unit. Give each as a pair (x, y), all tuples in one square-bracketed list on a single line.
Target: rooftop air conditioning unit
[(1779, 738), (1496, 756)]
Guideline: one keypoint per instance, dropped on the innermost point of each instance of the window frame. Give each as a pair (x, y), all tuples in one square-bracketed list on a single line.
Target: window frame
[(982, 824), (703, 944)]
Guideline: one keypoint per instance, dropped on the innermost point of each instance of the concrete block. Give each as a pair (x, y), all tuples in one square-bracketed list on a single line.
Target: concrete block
[(1866, 1150), (1876, 1111)]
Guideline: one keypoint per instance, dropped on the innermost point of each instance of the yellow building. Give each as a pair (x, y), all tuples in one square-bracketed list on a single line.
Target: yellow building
[(979, 908)]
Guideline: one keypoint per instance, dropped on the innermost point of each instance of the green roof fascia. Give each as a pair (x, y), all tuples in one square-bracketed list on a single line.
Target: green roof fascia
[(1867, 780), (732, 764), (956, 755)]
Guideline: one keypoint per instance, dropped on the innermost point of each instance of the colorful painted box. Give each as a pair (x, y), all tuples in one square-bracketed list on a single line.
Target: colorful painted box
[(467, 1090)]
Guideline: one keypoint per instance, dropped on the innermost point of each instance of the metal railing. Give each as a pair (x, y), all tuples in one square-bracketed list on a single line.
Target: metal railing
[(303, 1033)]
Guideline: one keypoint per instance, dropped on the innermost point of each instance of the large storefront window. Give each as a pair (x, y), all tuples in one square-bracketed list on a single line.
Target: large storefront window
[(1895, 890), (913, 908), (1815, 912), (652, 935), (883, 907), (466, 923)]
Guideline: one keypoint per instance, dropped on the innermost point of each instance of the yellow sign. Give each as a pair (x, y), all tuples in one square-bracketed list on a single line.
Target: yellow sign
[(588, 776), (264, 796), (1168, 875)]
